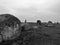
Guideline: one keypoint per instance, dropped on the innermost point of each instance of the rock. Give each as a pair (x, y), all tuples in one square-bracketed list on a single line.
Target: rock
[(9, 26)]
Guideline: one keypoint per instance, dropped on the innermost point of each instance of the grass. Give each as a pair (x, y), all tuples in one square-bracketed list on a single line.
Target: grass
[(39, 36), (45, 35)]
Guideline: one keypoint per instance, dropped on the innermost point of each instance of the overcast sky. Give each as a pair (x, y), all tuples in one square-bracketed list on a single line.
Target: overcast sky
[(32, 10)]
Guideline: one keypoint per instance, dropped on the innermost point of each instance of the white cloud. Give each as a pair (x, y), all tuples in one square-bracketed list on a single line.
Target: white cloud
[(31, 8), (27, 3)]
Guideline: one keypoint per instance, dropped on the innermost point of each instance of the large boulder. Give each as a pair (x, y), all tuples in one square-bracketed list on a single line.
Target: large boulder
[(10, 27)]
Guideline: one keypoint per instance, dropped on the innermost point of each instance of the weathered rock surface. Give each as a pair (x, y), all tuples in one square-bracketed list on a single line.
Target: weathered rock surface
[(9, 26)]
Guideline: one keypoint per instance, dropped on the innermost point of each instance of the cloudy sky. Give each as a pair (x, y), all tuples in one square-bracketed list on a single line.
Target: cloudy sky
[(32, 10)]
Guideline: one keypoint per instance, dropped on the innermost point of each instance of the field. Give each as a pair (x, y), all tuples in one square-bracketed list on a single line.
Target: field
[(41, 35), (34, 34)]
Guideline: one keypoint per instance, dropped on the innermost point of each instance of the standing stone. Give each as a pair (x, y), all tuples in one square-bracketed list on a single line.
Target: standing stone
[(9, 26)]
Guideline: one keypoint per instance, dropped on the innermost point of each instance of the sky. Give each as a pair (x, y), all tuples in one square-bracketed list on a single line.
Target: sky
[(32, 10)]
